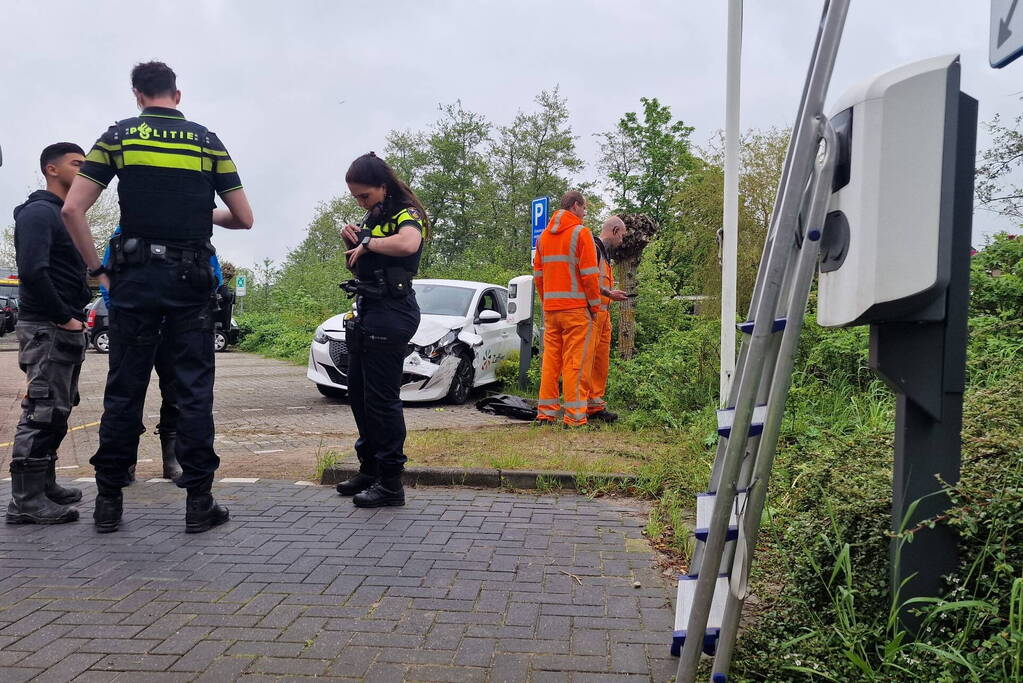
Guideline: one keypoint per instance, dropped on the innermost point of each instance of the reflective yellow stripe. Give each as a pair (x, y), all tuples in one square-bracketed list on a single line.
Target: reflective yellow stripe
[(207, 164), (92, 179), (165, 145), (98, 156), (215, 152), (162, 160), (108, 147), (226, 166), (589, 271)]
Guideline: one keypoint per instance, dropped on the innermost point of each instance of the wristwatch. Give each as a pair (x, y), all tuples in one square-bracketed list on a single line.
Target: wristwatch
[(365, 241), (102, 270)]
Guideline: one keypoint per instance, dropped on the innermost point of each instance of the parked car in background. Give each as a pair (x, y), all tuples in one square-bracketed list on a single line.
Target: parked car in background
[(8, 314), (97, 329), (97, 325), (224, 338), (463, 334)]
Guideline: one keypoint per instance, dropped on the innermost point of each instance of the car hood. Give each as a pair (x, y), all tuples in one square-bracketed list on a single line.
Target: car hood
[(431, 327)]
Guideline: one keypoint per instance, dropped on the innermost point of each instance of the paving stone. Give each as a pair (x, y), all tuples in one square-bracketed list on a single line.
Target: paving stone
[(135, 662), (68, 668), (200, 656), (289, 665)]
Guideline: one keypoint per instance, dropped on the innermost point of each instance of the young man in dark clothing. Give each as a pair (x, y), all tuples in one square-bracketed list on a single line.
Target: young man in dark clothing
[(51, 342)]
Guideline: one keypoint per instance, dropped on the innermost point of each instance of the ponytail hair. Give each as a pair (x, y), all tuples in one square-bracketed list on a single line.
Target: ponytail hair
[(371, 170)]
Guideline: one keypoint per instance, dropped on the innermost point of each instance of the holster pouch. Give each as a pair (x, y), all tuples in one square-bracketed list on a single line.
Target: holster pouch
[(353, 335), (126, 251), (398, 281)]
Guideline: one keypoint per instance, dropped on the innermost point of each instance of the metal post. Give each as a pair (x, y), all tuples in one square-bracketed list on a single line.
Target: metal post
[(525, 332), (730, 237), (799, 163), (924, 363)]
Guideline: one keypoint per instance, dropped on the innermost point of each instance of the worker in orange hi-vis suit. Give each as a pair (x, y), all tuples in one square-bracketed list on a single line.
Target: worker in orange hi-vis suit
[(566, 273), (611, 235)]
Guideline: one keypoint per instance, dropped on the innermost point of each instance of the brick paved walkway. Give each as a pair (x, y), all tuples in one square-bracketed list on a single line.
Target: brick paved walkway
[(462, 585)]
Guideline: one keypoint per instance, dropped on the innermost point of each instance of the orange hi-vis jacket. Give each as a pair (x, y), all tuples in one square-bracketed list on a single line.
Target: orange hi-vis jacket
[(606, 280), (565, 267)]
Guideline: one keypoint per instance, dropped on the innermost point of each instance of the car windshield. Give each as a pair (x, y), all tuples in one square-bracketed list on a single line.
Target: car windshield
[(443, 299)]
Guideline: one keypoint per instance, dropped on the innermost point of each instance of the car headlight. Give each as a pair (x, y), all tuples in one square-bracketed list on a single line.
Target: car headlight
[(435, 350), (320, 337)]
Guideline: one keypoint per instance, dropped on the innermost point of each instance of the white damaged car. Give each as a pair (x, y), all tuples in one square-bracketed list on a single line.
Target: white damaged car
[(463, 334)]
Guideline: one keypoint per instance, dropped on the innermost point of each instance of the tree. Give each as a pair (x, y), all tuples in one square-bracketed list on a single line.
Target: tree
[(455, 186), (531, 157), (104, 217), (7, 254), (640, 229), (689, 249), (647, 161), (998, 186), (323, 236)]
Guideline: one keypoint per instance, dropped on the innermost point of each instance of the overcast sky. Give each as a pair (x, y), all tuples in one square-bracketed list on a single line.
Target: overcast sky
[(296, 90)]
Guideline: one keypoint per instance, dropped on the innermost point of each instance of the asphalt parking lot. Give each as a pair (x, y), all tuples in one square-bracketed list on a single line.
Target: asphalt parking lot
[(271, 421)]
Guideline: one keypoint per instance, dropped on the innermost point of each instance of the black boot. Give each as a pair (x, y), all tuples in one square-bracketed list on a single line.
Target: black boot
[(59, 494), (171, 470), (29, 504), (202, 512), (107, 514), (367, 476), (386, 492)]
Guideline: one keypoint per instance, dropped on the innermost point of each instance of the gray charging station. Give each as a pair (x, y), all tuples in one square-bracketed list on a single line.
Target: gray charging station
[(895, 255)]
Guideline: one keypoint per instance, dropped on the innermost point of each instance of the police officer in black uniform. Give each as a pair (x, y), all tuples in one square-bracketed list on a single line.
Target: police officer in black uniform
[(384, 256), (169, 169)]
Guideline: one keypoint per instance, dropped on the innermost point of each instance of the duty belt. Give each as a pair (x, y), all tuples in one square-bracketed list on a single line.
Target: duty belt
[(136, 250)]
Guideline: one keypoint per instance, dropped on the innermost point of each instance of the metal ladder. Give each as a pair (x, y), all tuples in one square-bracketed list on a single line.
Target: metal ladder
[(711, 597)]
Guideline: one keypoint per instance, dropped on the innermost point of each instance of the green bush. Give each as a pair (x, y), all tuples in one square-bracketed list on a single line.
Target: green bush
[(276, 336), (664, 383), (996, 278)]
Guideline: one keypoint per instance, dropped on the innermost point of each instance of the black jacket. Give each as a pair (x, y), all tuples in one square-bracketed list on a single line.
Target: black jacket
[(50, 270)]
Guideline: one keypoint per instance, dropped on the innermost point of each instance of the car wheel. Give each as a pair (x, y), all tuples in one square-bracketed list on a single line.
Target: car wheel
[(219, 341), (331, 392), (461, 383), (101, 342)]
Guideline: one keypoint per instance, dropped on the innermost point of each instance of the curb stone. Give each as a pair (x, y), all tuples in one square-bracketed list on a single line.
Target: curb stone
[(484, 477)]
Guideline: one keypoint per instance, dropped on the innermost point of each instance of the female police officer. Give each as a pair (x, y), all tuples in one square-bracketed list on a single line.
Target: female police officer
[(384, 256)]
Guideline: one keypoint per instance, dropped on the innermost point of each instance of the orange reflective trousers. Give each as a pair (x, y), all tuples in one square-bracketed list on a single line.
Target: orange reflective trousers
[(596, 380), (568, 343)]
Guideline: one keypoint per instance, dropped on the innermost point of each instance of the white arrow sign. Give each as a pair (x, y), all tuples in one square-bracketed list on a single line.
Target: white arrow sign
[(1006, 32)]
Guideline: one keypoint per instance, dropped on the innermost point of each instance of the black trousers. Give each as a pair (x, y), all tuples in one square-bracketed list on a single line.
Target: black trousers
[(164, 366), (51, 358), (145, 298), (374, 380)]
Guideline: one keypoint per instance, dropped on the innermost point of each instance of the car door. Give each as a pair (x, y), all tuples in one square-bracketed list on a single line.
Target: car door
[(510, 339), (495, 336)]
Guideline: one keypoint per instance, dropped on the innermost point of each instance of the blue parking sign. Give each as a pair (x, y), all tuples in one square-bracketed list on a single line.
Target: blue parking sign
[(539, 213)]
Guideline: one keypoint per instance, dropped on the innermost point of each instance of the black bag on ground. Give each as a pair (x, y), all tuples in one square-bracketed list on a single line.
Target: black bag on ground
[(514, 407)]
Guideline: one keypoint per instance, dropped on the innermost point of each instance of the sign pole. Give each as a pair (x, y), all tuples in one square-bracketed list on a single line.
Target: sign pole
[(730, 229)]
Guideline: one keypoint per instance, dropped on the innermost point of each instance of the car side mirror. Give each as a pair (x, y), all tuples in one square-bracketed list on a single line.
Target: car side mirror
[(488, 316)]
